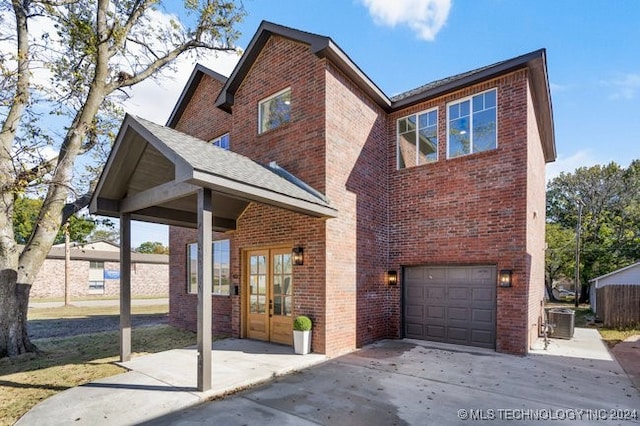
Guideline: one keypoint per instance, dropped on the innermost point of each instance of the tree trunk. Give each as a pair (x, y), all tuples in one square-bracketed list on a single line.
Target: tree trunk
[(549, 286), (14, 303)]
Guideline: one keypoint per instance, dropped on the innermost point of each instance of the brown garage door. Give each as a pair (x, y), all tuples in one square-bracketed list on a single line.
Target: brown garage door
[(451, 304)]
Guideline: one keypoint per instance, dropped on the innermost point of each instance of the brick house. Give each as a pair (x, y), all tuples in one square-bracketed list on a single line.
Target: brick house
[(94, 269), (419, 215)]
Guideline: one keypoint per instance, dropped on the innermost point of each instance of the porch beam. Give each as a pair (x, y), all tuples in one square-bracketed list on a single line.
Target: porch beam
[(205, 209), (182, 218), (125, 287), (160, 194)]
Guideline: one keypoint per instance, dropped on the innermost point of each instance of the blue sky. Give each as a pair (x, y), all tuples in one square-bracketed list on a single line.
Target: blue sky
[(593, 52)]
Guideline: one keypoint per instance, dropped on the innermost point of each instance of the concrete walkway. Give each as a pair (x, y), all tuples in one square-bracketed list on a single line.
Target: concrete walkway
[(390, 382), (165, 382)]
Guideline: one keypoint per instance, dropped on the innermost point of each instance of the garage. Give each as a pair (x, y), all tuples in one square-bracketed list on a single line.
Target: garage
[(450, 304)]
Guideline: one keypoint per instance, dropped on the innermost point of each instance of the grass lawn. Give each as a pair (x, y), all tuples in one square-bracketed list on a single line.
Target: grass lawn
[(72, 361)]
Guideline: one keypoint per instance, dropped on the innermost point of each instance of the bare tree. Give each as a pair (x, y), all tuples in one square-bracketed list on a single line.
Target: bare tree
[(91, 51)]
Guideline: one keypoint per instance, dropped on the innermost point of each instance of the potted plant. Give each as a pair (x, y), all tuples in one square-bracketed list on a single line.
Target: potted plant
[(302, 335)]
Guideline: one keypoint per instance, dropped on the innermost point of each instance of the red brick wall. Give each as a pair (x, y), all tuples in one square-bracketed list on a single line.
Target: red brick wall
[(536, 213), (183, 306), (357, 295), (475, 209), (470, 209), (201, 118), (298, 146)]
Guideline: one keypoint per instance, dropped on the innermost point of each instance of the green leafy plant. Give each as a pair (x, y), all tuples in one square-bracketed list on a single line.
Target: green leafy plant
[(302, 323)]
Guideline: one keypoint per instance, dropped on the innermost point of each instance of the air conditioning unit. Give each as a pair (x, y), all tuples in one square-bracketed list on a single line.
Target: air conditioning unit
[(562, 320)]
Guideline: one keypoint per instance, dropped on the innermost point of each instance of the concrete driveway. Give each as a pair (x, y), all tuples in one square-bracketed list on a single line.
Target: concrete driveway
[(399, 382)]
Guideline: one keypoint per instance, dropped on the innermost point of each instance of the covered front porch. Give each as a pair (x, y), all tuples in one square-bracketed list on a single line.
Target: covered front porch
[(157, 174)]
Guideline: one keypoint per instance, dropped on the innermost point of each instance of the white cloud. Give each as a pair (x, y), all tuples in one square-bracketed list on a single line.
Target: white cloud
[(425, 17), (155, 99), (626, 86), (582, 158)]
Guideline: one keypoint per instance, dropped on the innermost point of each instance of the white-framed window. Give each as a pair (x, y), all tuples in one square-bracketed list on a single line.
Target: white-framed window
[(418, 139), (472, 124), (96, 277), (222, 141), (220, 262), (274, 111)]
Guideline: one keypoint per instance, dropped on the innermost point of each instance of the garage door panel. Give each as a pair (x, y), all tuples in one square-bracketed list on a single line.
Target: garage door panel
[(436, 293), (482, 274), (414, 274), (458, 304), (458, 293), (482, 338), (482, 316), (458, 334), (415, 312), (483, 295), (415, 292), (458, 314), (435, 313), (436, 332), (415, 330)]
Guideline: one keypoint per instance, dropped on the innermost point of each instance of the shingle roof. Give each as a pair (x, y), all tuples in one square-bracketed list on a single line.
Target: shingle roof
[(213, 160)]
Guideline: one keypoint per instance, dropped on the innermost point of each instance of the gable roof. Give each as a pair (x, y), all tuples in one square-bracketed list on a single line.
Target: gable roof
[(154, 172), (198, 72), (627, 275), (321, 46), (325, 47)]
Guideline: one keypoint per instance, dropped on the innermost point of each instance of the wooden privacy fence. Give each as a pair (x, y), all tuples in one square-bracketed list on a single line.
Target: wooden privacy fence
[(618, 306)]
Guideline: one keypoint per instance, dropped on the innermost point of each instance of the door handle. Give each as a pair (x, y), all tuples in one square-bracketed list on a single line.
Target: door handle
[(270, 308)]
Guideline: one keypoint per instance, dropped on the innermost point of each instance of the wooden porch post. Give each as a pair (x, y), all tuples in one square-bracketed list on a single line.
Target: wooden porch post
[(204, 288), (125, 287)]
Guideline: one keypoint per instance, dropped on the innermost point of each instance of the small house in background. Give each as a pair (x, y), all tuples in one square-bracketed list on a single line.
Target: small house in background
[(615, 297), (95, 270)]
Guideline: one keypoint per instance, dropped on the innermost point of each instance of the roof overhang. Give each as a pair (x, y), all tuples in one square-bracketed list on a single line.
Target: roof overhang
[(154, 173), (321, 46)]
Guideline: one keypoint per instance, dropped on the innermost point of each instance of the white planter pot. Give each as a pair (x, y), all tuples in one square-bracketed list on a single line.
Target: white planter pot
[(301, 342)]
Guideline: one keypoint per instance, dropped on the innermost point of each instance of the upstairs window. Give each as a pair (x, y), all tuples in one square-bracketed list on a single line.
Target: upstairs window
[(274, 111), (418, 139), (222, 141), (472, 125)]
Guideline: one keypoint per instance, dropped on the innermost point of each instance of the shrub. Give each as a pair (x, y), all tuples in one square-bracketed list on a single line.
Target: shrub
[(302, 323)]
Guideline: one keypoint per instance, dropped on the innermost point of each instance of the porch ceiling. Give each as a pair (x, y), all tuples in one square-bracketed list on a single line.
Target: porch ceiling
[(154, 173)]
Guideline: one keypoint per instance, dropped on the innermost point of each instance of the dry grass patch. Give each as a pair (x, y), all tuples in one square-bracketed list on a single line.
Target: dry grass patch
[(73, 311), (68, 362)]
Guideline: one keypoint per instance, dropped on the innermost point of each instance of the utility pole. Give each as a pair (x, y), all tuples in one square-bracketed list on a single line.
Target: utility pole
[(578, 228)]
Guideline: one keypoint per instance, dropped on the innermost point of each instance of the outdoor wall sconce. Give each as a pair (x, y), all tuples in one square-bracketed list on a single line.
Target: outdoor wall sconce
[(298, 256), (504, 279), (392, 277)]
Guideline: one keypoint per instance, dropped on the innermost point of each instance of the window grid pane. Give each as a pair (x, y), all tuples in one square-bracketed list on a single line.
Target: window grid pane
[(220, 267), (417, 139), (471, 132)]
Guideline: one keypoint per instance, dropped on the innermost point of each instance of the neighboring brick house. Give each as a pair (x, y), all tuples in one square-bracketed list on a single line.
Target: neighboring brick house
[(94, 269), (441, 188)]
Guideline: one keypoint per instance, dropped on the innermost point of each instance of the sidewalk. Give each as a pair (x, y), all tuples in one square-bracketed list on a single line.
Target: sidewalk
[(100, 302)]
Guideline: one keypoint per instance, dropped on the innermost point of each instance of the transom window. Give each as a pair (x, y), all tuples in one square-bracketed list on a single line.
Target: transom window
[(222, 141), (220, 261), (418, 139), (472, 125), (274, 111)]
